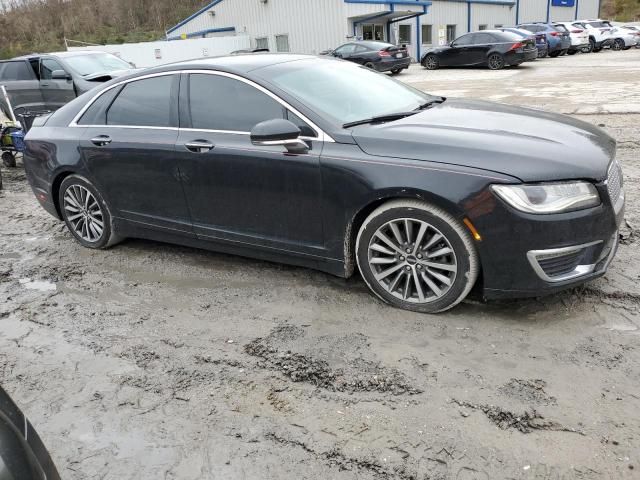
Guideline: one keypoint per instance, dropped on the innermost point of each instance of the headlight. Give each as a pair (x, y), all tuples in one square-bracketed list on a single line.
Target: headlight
[(549, 197)]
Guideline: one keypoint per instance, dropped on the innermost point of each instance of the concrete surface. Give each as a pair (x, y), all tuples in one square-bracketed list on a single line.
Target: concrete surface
[(151, 361)]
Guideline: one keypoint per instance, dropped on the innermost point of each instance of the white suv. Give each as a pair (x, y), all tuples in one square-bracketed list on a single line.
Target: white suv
[(599, 34), (579, 36)]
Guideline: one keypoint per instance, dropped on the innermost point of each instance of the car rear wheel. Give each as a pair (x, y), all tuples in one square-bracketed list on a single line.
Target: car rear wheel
[(396, 71), (85, 213), (369, 65), (618, 44), (495, 61), (554, 54), (431, 62), (416, 256), (543, 53), (572, 52), (589, 48)]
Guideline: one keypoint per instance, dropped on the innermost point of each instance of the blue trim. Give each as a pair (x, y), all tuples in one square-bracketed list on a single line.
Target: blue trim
[(418, 39), (468, 17), (203, 32), (548, 10), (188, 19), (393, 7), (358, 22), (422, 3), (509, 3), (517, 12)]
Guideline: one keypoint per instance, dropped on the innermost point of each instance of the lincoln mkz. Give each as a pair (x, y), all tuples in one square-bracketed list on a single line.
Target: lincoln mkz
[(325, 164)]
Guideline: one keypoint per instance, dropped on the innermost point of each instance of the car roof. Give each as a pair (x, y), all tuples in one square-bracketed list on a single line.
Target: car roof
[(237, 63), (373, 43)]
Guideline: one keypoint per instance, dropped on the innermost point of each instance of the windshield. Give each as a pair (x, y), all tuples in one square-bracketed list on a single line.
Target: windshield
[(343, 91), (96, 63)]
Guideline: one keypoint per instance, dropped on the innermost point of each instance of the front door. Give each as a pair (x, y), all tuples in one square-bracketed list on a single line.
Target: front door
[(239, 192), (58, 92), (129, 148)]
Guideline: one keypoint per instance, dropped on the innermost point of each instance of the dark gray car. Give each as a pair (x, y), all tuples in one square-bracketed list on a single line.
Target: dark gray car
[(49, 81)]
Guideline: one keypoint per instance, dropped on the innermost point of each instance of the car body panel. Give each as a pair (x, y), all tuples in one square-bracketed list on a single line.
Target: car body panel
[(305, 208)]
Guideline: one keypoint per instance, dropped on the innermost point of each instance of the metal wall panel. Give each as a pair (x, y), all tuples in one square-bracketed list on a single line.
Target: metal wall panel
[(446, 13), (588, 9), (533, 11), (562, 14), (492, 15)]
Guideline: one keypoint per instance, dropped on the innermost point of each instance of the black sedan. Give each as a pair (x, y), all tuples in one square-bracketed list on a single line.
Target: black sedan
[(329, 165), (379, 56), (492, 48), (23, 456)]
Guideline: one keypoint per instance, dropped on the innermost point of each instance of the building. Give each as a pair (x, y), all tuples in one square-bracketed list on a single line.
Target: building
[(311, 26)]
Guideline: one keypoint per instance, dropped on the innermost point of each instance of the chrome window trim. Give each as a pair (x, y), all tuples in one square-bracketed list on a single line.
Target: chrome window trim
[(532, 256), (322, 136)]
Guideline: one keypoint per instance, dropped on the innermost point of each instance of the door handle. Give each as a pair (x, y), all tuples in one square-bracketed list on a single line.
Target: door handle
[(199, 146), (101, 140), (45, 84)]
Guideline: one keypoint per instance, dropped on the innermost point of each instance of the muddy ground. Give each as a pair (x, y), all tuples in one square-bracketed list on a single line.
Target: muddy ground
[(151, 361)]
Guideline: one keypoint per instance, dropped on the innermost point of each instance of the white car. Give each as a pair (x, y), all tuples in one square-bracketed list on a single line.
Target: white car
[(579, 36), (624, 38), (599, 34)]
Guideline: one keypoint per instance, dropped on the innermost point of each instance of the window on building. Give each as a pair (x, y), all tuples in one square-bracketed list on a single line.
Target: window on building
[(373, 31), (47, 67), (143, 103), (451, 33), (482, 27), (282, 43), (427, 34), (235, 106), (262, 42), (404, 34), (498, 25), (16, 71)]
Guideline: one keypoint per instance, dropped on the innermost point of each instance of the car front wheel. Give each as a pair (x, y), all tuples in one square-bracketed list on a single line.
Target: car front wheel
[(618, 44), (416, 256), (86, 213)]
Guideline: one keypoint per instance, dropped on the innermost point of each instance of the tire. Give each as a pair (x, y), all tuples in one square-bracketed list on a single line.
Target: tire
[(554, 54), (94, 227), (618, 44), (563, 53), (441, 288), (543, 54), (431, 62), (396, 71), (9, 159), (370, 65), (572, 52), (495, 61), (591, 47)]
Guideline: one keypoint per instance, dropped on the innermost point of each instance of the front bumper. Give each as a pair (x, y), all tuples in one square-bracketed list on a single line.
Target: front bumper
[(525, 255)]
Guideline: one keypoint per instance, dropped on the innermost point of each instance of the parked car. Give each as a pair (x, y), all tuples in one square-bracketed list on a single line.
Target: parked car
[(558, 42), (46, 82), (539, 38), (325, 164), (23, 456), (624, 38), (249, 50), (492, 48), (599, 34), (579, 36), (379, 56)]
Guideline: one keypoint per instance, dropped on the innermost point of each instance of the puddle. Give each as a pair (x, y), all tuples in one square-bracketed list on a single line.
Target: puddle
[(40, 285)]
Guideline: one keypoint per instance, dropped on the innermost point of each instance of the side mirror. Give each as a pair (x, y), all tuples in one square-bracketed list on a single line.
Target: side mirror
[(60, 75), (279, 132)]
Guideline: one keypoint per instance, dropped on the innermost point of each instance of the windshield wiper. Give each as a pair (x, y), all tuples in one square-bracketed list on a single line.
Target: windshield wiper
[(379, 118), (431, 103)]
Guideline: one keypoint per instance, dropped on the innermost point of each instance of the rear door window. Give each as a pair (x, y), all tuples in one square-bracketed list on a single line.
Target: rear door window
[(483, 39), (217, 102), (16, 71), (145, 103)]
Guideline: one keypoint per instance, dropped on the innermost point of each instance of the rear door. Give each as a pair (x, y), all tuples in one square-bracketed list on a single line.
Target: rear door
[(478, 51), (56, 93), (129, 148)]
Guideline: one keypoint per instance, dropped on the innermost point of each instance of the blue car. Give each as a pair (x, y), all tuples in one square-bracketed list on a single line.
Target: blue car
[(558, 42), (539, 38)]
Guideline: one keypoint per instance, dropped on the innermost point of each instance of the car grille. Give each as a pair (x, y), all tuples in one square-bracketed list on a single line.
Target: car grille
[(559, 265), (614, 181)]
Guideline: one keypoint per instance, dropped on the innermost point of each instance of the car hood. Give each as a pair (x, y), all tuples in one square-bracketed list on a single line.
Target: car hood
[(531, 145)]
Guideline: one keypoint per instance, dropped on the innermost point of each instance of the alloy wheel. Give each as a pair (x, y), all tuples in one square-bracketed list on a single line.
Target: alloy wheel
[(496, 62), (412, 260), (432, 62), (83, 213), (618, 44)]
